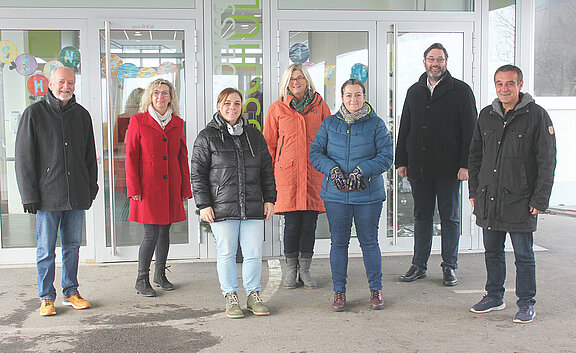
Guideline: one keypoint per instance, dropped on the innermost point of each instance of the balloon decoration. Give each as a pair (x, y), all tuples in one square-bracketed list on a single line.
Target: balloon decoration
[(115, 63), (25, 64), (37, 85), (359, 72), (8, 51), (299, 53), (167, 67), (70, 57), (146, 72), (330, 75), (51, 65), (127, 70)]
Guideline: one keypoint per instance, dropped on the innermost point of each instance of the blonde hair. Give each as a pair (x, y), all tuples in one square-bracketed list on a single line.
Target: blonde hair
[(147, 96), (285, 81)]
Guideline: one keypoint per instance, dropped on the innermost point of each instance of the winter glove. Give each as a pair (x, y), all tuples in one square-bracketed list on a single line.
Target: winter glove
[(356, 180), (338, 179), (31, 208)]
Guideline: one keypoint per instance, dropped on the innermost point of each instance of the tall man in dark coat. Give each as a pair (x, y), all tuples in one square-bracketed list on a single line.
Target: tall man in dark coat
[(57, 173), (512, 161), (432, 151)]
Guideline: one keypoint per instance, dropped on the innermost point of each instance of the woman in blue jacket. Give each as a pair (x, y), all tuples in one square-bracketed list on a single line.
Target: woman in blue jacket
[(352, 149)]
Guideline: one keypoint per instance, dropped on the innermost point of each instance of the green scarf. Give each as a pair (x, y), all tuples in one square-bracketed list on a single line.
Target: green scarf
[(300, 105)]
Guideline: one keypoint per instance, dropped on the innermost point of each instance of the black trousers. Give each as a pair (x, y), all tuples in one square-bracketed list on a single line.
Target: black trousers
[(156, 238)]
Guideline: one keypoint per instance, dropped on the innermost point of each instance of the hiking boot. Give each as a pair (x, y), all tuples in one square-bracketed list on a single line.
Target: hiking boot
[(304, 272), (143, 286), (525, 314), (339, 303), (291, 270), (488, 304), (76, 301), (233, 309), (376, 301), (47, 307), (255, 305), (161, 280)]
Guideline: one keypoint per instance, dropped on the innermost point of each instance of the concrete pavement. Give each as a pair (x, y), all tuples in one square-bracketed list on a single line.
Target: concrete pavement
[(422, 316)]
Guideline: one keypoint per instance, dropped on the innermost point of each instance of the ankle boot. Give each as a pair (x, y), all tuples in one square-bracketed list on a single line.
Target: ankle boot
[(291, 270), (161, 280), (305, 261), (143, 286)]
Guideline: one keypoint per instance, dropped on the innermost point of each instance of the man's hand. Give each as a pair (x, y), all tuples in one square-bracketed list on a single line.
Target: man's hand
[(535, 211), (31, 208), (463, 174), (402, 171), (473, 202), (137, 197)]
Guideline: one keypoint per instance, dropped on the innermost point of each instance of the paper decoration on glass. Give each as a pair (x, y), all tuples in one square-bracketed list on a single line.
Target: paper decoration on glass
[(127, 70), (51, 65), (167, 67), (299, 53), (8, 51), (359, 72), (330, 75), (146, 72), (37, 85), (70, 57), (115, 63), (25, 64)]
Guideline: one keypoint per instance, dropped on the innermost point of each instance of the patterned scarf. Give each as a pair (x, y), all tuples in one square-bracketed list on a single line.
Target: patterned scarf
[(162, 120), (351, 118), (300, 105)]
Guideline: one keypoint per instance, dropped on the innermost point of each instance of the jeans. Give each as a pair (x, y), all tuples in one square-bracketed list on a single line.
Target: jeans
[(366, 219), (156, 236), (47, 225), (300, 231), (496, 265), (425, 194), (250, 235)]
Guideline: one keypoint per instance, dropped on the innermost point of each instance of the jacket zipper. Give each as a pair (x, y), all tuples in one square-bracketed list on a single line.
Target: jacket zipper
[(281, 146)]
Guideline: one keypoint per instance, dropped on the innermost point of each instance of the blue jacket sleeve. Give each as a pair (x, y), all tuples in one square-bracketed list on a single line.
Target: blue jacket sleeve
[(319, 149), (382, 161)]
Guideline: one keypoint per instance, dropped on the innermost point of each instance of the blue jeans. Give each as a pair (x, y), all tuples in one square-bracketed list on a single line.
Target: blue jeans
[(425, 194), (47, 225), (496, 265), (366, 218), (250, 235), (300, 231)]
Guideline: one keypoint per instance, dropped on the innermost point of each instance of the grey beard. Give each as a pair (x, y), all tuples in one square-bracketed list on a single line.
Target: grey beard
[(436, 77)]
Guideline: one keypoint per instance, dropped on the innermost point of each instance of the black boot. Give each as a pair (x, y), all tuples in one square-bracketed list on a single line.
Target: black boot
[(161, 280), (143, 286)]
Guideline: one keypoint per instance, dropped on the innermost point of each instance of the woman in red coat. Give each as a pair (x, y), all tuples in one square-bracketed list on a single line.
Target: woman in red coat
[(157, 178), (290, 127)]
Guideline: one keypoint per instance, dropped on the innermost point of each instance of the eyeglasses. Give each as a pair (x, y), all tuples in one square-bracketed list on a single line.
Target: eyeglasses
[(438, 60), (299, 79), (163, 93)]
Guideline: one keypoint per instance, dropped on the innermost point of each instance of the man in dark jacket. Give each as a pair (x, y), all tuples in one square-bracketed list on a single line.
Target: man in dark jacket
[(432, 151), (57, 173), (512, 161)]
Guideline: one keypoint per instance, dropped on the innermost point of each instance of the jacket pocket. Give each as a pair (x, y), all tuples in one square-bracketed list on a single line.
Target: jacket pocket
[(518, 142), (514, 206), (481, 205), (286, 172)]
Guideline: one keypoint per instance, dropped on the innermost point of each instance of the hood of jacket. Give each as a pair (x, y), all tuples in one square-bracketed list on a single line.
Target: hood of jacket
[(56, 104), (525, 99)]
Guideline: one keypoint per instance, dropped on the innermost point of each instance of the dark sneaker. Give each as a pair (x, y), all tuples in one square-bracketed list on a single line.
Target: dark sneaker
[(413, 274), (339, 303), (525, 314), (255, 304), (487, 304), (376, 301), (233, 309)]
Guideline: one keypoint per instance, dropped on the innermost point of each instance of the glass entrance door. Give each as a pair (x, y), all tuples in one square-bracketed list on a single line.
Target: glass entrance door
[(139, 53), (29, 50), (388, 58)]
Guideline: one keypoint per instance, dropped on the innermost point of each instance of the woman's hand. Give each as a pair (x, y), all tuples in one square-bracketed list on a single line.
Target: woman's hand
[(137, 197), (268, 210), (185, 198), (207, 214)]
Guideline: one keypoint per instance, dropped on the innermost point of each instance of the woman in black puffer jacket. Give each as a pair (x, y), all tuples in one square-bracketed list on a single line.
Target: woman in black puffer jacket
[(233, 186)]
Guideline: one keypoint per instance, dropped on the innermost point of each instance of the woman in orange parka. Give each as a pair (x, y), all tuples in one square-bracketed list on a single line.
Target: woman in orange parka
[(157, 178), (291, 125)]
